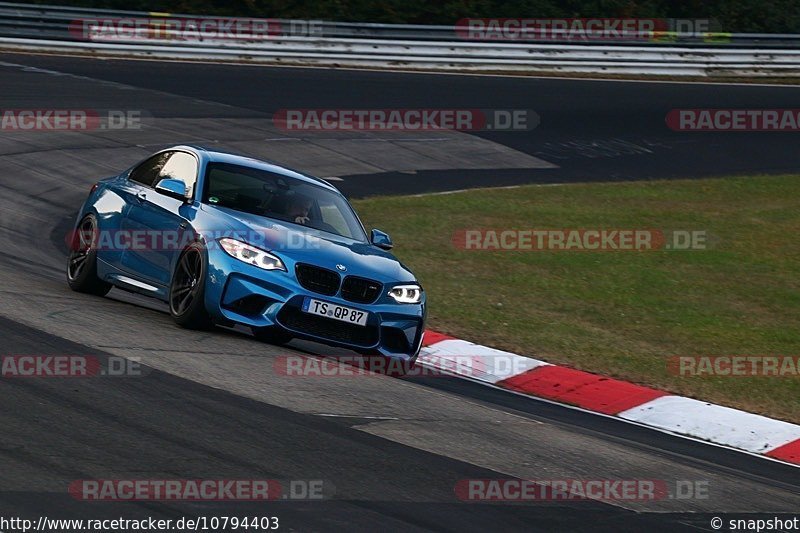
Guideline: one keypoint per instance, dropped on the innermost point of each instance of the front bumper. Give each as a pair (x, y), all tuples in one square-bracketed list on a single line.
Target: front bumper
[(243, 294)]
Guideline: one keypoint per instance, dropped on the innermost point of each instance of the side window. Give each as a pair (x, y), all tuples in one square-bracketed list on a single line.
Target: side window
[(148, 172), (181, 166)]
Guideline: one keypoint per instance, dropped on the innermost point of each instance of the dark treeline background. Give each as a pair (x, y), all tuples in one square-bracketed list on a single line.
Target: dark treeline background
[(760, 16)]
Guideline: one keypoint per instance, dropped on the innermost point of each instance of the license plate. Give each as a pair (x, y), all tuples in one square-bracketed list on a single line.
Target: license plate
[(337, 312)]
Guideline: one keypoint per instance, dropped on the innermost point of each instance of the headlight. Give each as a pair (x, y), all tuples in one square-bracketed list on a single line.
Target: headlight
[(251, 254), (406, 294)]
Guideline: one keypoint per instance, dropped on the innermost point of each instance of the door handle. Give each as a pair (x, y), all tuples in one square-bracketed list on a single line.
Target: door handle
[(141, 196)]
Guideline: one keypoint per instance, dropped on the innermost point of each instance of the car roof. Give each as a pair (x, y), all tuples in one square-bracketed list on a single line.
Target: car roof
[(209, 155)]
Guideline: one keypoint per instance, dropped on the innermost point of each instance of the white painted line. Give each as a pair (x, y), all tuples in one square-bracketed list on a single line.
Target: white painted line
[(457, 191), (723, 425), (405, 71), (331, 415)]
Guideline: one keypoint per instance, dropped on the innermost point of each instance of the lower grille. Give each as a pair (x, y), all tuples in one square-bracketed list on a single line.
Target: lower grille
[(317, 279), (394, 340), (249, 305), (360, 290), (328, 328)]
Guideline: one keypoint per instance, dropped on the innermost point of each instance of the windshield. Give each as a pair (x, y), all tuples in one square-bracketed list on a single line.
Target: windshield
[(276, 196)]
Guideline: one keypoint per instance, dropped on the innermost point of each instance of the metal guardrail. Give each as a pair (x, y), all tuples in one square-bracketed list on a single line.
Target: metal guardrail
[(48, 28)]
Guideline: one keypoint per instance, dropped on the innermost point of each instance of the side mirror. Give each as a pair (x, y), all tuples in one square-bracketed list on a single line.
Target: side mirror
[(381, 240), (172, 188)]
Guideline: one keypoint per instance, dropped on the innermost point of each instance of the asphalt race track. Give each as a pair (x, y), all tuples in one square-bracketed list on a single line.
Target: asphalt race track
[(390, 451), (588, 130)]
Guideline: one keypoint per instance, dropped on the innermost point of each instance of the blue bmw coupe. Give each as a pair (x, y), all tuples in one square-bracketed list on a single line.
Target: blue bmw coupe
[(226, 239)]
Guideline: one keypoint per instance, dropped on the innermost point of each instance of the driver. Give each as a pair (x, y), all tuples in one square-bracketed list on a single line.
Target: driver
[(298, 208)]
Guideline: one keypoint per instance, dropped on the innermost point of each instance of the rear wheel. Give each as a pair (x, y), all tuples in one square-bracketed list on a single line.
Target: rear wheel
[(82, 261), (187, 290)]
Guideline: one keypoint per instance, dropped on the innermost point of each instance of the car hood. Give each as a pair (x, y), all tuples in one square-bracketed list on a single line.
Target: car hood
[(290, 241)]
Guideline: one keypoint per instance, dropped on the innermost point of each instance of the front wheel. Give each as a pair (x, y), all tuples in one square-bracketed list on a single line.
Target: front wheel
[(188, 288), (82, 260)]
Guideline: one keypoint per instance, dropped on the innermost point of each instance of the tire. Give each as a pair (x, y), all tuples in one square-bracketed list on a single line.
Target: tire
[(82, 260), (272, 335), (188, 288)]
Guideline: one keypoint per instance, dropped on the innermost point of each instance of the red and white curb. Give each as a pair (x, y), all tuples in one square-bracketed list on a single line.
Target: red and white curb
[(643, 405)]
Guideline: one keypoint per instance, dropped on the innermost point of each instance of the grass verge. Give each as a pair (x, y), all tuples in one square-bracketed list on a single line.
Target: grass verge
[(616, 313)]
